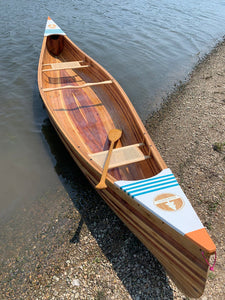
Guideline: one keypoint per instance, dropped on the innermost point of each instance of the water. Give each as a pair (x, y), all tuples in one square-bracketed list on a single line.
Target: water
[(146, 45)]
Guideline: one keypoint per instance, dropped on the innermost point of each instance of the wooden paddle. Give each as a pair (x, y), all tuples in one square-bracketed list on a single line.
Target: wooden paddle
[(113, 136)]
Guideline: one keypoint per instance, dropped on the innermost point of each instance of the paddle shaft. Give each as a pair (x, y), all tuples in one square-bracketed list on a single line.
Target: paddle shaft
[(102, 184), (113, 136)]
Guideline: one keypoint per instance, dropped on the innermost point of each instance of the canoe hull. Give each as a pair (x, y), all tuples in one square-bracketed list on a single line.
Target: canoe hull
[(181, 258), (82, 115)]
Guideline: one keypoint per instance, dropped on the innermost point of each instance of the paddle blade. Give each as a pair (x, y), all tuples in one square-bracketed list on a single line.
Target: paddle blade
[(114, 135), (101, 185)]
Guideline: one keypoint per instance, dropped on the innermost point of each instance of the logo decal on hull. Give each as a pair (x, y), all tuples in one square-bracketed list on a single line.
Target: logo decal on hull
[(52, 26), (169, 202)]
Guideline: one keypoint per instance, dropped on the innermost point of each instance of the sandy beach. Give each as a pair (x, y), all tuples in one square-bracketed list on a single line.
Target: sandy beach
[(85, 252)]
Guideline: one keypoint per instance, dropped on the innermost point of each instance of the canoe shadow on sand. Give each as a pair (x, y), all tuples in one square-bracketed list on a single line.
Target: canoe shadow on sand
[(139, 271)]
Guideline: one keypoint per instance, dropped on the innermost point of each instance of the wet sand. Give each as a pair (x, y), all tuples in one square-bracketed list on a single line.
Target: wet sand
[(71, 246)]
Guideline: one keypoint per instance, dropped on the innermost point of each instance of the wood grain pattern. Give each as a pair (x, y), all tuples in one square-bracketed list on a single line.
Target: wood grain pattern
[(83, 118)]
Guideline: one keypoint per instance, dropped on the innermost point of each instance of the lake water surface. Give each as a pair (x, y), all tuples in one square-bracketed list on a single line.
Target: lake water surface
[(147, 46)]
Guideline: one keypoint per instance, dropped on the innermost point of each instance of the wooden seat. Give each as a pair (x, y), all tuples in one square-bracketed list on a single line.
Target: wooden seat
[(77, 86), (120, 156), (65, 65)]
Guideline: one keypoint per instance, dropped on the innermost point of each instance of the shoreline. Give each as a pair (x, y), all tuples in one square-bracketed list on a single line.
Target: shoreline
[(74, 251), (189, 132)]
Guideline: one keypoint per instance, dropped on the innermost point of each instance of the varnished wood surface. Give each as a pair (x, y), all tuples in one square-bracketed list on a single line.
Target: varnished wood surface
[(83, 118)]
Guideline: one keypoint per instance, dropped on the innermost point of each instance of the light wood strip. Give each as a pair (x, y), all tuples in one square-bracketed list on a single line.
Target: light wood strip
[(77, 86), (64, 64), (75, 67)]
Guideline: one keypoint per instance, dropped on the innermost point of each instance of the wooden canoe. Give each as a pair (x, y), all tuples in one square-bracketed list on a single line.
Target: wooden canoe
[(85, 103)]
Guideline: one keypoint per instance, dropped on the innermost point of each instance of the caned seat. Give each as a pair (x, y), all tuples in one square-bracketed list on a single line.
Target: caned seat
[(120, 156), (65, 65)]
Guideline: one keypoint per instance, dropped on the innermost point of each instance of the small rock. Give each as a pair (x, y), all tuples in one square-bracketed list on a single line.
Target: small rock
[(68, 262), (55, 278), (75, 282)]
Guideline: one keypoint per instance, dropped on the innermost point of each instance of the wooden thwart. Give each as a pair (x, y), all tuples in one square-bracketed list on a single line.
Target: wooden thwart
[(77, 86), (65, 65), (120, 156)]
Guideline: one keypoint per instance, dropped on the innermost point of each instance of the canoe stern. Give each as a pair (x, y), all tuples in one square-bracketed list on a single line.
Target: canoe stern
[(52, 28)]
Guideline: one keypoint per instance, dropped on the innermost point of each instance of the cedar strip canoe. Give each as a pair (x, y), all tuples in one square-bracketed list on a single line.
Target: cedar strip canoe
[(85, 103)]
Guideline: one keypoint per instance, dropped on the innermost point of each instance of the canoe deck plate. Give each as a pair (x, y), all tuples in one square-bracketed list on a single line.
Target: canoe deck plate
[(163, 196)]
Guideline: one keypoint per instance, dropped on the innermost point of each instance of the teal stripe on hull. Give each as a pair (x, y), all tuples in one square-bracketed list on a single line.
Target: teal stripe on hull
[(150, 185), (154, 190), (130, 185), (54, 31)]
